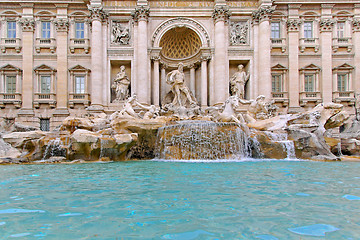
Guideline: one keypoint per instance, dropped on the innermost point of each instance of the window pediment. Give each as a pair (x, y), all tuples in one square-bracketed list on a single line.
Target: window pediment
[(10, 68), (311, 67), (344, 67), (279, 67), (79, 68), (44, 68)]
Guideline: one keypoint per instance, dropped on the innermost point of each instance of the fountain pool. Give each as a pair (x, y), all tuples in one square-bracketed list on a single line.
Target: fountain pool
[(181, 200)]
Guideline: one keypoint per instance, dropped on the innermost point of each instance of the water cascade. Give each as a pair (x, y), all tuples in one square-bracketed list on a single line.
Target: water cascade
[(202, 140), (54, 148), (281, 138)]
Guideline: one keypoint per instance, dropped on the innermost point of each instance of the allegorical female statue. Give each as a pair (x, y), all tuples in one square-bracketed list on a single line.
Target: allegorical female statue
[(238, 81), (121, 85)]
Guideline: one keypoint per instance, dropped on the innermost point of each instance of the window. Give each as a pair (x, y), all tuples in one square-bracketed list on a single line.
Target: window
[(45, 84), (308, 30), (343, 82), (11, 29), (341, 29), (309, 83), (277, 83), (45, 29), (10, 84), (275, 30), (79, 84), (79, 30), (44, 124)]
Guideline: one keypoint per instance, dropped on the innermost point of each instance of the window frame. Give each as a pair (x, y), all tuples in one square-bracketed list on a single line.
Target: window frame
[(48, 83), (277, 83), (313, 82), (45, 32), (82, 85), (306, 30), (277, 31), (11, 30), (14, 84), (47, 124), (79, 31)]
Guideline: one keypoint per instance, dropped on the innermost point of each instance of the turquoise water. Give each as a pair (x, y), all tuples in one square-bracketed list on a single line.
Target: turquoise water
[(176, 200)]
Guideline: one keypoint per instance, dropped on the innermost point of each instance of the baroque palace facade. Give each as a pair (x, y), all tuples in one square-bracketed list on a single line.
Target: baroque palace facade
[(62, 58)]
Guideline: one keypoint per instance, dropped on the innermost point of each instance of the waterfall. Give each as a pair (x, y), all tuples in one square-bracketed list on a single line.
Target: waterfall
[(55, 147), (202, 140), (281, 138)]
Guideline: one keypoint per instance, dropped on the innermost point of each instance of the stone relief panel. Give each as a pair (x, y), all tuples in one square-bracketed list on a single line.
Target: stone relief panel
[(120, 33), (239, 33)]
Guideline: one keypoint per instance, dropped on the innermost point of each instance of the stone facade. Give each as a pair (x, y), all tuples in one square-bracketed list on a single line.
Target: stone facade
[(61, 58)]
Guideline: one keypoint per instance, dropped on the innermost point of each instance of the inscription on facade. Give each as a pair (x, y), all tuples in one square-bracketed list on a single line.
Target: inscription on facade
[(243, 4)]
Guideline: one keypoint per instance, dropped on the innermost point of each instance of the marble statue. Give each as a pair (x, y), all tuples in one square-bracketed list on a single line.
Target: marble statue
[(238, 81), (239, 33), (259, 109), (128, 109), (121, 85), (181, 93)]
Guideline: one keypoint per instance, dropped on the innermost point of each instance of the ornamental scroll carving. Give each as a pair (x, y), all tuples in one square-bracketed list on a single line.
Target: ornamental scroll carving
[(264, 13), (97, 13), (239, 33), (293, 25), (356, 25), (326, 25), (141, 13), (221, 13), (120, 33), (27, 24), (62, 25)]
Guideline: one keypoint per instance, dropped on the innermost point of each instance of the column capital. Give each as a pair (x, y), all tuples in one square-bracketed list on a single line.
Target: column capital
[(61, 24), (356, 25), (155, 58), (205, 58), (326, 25), (27, 24), (97, 13), (221, 13), (263, 13), (141, 13), (293, 25)]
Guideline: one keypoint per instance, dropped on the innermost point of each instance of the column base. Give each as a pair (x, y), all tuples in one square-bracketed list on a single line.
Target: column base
[(61, 112), (26, 112)]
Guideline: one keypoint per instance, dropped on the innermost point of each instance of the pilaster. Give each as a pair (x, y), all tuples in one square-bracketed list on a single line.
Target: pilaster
[(62, 27), (263, 16), (356, 39), (293, 26), (326, 28), (28, 27), (220, 15), (97, 16), (156, 81), (140, 17)]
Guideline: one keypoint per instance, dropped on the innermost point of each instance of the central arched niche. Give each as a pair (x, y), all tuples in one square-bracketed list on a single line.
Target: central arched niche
[(180, 43)]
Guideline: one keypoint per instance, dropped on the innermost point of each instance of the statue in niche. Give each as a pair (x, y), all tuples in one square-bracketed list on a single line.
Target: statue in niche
[(120, 34), (121, 85), (238, 33), (238, 81), (180, 95)]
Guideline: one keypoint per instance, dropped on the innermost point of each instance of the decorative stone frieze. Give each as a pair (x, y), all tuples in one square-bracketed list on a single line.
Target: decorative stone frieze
[(263, 13), (356, 25), (62, 25), (239, 33), (326, 25), (97, 13), (293, 25), (141, 13), (27, 24), (120, 33), (221, 13)]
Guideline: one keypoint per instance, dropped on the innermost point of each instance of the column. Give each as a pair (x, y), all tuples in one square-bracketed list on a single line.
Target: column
[(156, 82), (28, 25), (62, 27), (326, 28), (97, 15), (192, 79), (163, 81), (221, 79), (254, 79), (204, 81), (293, 26), (356, 39), (263, 15), (140, 16)]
